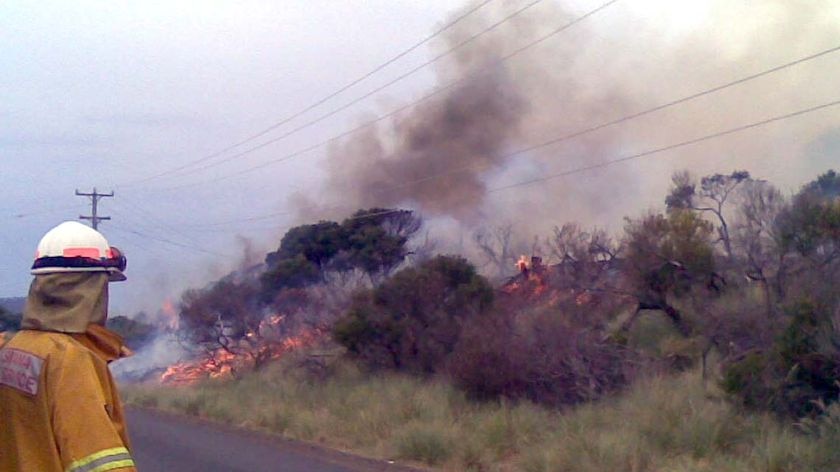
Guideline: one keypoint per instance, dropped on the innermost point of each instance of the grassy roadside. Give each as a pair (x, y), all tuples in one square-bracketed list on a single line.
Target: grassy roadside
[(662, 424)]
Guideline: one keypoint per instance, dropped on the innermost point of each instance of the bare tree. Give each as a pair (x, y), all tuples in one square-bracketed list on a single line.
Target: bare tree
[(755, 237), (711, 197), (497, 245), (570, 242), (586, 256)]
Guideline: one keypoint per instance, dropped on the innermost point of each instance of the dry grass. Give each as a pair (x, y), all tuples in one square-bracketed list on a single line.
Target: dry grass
[(661, 424)]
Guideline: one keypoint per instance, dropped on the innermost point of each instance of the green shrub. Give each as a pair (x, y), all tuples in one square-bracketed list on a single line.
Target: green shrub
[(799, 370), (412, 321)]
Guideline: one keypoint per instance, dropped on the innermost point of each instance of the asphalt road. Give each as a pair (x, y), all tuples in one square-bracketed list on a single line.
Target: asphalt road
[(167, 443)]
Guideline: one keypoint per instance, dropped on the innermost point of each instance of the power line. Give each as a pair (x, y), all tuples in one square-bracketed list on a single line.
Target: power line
[(659, 150), (637, 155), (191, 247), (433, 93), (668, 147), (241, 220), (45, 211), (351, 84), (622, 119), (366, 95), (577, 170), (248, 218), (133, 237), (163, 225), (543, 144)]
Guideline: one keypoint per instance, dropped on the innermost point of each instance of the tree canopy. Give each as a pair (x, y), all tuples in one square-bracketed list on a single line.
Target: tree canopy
[(373, 241)]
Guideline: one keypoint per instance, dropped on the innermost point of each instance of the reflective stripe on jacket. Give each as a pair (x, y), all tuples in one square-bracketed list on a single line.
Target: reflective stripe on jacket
[(59, 409)]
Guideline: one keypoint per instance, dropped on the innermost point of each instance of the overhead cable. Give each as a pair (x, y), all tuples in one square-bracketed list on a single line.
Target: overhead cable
[(630, 157), (621, 119), (557, 140), (346, 87), (163, 225), (668, 147), (431, 94)]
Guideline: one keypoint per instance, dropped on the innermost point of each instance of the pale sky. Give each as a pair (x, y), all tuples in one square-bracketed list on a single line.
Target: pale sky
[(110, 93), (97, 93)]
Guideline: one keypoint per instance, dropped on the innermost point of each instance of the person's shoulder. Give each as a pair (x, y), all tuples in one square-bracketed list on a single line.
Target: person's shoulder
[(46, 344)]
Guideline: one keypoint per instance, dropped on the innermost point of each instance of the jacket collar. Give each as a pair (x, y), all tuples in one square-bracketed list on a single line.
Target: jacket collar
[(105, 343)]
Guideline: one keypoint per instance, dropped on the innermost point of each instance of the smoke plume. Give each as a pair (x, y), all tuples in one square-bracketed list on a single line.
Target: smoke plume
[(468, 129), (446, 155)]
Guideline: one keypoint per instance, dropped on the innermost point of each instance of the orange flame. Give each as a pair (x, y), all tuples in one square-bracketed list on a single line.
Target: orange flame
[(534, 278), (223, 363), (170, 315), (522, 264)]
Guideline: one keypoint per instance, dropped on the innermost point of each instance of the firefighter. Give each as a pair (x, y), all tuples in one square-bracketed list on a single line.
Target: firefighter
[(59, 409)]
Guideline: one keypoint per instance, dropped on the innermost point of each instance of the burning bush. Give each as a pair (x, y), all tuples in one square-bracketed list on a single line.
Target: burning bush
[(413, 320), (229, 330), (224, 310)]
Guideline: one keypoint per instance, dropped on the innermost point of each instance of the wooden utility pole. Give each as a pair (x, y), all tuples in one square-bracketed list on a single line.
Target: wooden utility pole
[(94, 218)]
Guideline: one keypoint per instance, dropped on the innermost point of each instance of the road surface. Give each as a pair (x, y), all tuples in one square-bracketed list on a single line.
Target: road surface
[(167, 443)]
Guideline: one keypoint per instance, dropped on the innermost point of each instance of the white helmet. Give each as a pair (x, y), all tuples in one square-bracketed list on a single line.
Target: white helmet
[(74, 247)]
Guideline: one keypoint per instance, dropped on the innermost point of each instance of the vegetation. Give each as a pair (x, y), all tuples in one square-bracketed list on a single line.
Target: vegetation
[(230, 313), (797, 374), (704, 337), (372, 242), (225, 309), (539, 356), (13, 304), (9, 321), (661, 423), (412, 321), (136, 334)]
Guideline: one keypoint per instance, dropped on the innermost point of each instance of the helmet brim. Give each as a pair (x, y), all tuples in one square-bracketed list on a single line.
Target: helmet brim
[(113, 275)]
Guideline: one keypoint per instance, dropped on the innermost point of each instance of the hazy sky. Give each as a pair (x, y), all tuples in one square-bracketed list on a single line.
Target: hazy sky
[(112, 93), (97, 93)]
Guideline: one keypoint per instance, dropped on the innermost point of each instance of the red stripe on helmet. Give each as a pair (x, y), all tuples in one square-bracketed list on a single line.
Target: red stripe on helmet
[(90, 252)]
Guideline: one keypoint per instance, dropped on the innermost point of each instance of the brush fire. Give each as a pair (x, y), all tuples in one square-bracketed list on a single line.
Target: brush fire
[(531, 279), (568, 282), (247, 340), (235, 355), (183, 355), (225, 362)]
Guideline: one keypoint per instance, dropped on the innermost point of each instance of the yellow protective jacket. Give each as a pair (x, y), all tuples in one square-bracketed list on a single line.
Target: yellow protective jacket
[(59, 408)]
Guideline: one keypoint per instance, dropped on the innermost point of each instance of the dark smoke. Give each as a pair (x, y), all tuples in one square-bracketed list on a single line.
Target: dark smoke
[(627, 58), (441, 156), (469, 129)]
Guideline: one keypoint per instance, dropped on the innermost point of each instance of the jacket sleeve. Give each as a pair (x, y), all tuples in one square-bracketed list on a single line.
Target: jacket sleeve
[(86, 436)]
